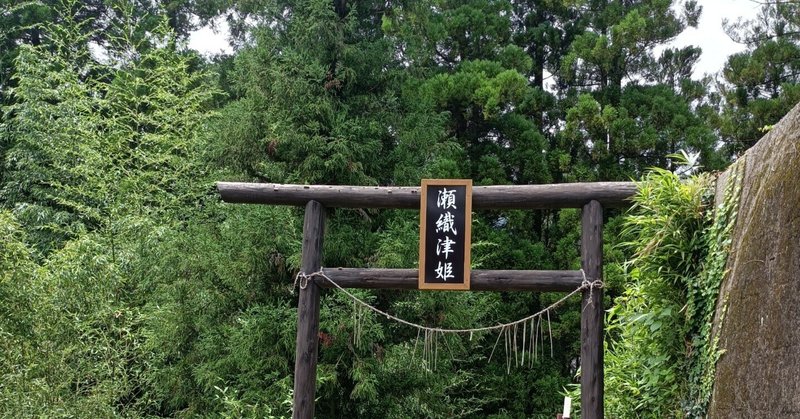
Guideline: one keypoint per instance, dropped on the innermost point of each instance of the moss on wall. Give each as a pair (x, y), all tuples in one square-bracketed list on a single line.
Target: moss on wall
[(757, 375)]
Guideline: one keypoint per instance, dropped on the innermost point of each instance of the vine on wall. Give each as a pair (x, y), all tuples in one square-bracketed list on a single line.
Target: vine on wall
[(704, 293)]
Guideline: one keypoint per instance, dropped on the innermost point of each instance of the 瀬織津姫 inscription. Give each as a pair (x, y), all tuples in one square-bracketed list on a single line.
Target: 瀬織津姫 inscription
[(445, 234)]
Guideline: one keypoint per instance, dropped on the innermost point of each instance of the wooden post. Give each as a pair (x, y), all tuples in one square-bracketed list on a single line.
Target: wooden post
[(305, 363), (592, 313)]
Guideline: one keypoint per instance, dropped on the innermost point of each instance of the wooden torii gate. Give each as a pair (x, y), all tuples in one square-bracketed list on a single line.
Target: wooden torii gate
[(590, 197)]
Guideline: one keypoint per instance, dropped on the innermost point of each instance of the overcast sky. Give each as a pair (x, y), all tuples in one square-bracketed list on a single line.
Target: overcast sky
[(709, 35)]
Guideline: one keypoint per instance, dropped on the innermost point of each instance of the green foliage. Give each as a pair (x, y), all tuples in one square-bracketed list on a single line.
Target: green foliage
[(667, 222), (17, 293), (661, 353), (92, 143), (616, 129), (702, 296), (316, 104), (39, 130), (96, 171), (16, 268), (219, 324), (761, 83), (129, 290), (646, 359)]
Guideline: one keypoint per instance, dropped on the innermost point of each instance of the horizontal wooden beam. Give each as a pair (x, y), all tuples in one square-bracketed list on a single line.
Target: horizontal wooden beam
[(480, 280), (560, 195)]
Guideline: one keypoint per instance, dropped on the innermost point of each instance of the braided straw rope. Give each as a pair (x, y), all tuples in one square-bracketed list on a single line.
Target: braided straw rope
[(302, 278)]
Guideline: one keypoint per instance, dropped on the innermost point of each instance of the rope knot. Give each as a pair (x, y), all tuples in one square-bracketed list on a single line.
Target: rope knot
[(591, 285), (301, 279)]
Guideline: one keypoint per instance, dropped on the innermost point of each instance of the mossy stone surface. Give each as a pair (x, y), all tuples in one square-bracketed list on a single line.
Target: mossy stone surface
[(758, 314)]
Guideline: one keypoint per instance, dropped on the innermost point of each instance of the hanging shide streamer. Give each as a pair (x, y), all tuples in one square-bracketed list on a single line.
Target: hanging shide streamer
[(519, 345), (431, 341), (527, 344), (530, 342), (430, 349), (358, 324)]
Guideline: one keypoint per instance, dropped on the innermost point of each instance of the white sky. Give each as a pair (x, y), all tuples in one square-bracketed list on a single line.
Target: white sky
[(211, 41), (709, 35)]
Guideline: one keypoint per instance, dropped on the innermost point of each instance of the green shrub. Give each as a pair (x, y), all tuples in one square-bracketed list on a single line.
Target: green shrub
[(660, 354)]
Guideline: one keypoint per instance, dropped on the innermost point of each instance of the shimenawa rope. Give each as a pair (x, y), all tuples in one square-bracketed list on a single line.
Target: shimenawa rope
[(302, 278)]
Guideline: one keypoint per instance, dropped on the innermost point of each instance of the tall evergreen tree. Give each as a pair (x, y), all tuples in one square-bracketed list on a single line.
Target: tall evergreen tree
[(607, 70), (762, 83)]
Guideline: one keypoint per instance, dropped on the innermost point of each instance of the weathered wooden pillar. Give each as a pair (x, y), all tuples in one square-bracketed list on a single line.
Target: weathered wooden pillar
[(305, 363), (592, 313)]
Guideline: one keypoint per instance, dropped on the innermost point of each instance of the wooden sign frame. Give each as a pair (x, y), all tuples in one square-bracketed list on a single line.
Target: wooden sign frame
[(466, 236)]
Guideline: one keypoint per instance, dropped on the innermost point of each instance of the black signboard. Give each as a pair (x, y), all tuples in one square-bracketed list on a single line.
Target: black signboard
[(445, 234)]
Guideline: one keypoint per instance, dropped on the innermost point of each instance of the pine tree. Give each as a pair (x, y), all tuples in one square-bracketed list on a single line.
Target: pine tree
[(762, 83), (610, 70)]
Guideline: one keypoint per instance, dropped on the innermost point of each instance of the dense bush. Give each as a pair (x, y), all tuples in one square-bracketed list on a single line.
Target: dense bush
[(660, 353)]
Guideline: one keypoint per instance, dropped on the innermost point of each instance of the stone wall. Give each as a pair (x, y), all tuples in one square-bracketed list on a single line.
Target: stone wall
[(758, 314)]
